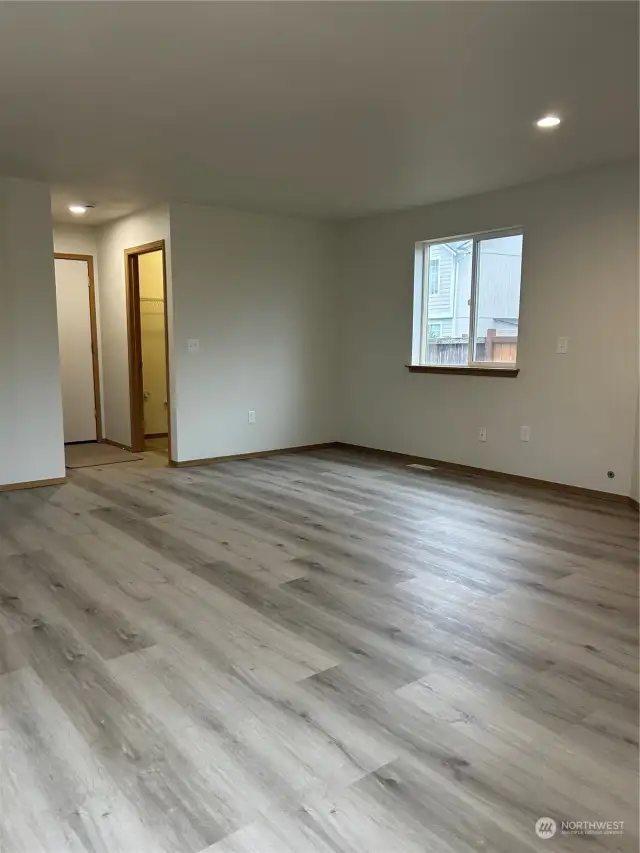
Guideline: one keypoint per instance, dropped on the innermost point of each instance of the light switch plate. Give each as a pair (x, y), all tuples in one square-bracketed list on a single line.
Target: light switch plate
[(193, 345), (563, 345)]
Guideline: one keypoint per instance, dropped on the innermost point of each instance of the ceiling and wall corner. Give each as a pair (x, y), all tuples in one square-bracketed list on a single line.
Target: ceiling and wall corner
[(31, 437)]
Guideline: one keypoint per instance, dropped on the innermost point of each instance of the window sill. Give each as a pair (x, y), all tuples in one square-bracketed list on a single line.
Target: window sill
[(502, 372)]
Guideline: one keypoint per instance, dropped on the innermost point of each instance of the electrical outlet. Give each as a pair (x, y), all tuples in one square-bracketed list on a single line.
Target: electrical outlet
[(193, 345), (251, 417), (482, 435), (525, 433), (563, 346)]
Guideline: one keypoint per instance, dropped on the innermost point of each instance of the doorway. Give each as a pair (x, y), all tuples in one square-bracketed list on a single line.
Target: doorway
[(148, 348), (78, 346)]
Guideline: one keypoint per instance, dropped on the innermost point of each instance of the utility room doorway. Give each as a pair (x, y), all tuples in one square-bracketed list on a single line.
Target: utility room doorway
[(148, 352)]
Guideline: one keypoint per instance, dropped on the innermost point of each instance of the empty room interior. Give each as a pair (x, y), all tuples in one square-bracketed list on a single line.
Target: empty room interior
[(319, 441)]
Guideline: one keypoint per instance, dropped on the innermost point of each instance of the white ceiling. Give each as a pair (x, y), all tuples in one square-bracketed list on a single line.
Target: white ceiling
[(331, 109)]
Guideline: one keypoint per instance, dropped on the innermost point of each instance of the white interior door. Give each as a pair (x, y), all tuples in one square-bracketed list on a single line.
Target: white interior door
[(76, 361)]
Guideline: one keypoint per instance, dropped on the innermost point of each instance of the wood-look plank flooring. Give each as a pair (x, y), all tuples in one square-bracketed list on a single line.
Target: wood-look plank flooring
[(314, 653)]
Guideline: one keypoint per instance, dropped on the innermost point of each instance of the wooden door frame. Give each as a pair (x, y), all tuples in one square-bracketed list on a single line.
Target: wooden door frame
[(93, 323), (134, 338)]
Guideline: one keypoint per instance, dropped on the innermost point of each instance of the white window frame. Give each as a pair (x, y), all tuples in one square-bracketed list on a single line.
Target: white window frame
[(435, 323), (436, 291), (421, 297)]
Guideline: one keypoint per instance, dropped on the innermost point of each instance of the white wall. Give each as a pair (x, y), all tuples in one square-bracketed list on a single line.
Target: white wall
[(136, 230), (83, 240), (580, 279), (76, 240), (31, 437), (258, 293)]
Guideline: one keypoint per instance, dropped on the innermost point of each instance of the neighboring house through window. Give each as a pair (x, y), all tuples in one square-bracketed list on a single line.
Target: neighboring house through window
[(467, 300)]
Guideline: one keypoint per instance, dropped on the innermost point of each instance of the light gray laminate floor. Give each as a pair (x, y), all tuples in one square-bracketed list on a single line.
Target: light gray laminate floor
[(313, 653)]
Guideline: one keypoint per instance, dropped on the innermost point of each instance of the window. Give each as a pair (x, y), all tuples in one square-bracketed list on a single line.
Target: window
[(434, 276), (472, 288)]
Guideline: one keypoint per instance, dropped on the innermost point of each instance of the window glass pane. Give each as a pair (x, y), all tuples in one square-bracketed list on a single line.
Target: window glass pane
[(434, 276), (448, 291), (498, 299)]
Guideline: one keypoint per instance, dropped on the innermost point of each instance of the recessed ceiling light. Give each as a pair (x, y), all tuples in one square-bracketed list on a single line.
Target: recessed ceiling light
[(548, 121), (78, 209)]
